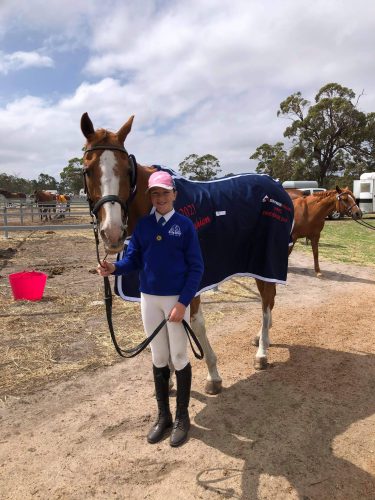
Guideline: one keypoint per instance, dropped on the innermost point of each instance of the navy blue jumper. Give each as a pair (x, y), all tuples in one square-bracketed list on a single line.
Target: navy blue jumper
[(168, 257)]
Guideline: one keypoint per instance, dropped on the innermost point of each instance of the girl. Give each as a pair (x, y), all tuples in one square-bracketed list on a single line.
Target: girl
[(165, 249)]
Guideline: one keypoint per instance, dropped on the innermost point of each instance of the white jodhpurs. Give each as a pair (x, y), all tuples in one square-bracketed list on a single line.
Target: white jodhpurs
[(172, 340)]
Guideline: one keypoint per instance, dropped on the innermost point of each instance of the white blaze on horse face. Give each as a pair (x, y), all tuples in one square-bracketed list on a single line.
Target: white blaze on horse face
[(111, 226)]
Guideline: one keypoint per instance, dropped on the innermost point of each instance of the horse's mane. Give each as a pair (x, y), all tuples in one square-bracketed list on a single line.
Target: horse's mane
[(325, 194)]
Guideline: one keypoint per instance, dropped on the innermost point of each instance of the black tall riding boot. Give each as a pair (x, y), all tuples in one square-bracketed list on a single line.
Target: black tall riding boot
[(164, 420), (181, 425)]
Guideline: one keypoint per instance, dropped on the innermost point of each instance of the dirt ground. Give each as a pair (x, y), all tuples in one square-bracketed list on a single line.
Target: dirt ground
[(73, 415)]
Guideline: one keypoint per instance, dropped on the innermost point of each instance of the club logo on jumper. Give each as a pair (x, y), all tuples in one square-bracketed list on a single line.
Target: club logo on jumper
[(175, 230)]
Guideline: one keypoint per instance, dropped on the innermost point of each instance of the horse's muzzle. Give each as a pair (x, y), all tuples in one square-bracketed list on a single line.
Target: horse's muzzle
[(115, 251), (113, 243), (357, 214)]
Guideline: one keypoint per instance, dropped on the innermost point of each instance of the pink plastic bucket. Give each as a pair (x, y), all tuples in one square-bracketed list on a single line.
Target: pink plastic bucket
[(27, 285)]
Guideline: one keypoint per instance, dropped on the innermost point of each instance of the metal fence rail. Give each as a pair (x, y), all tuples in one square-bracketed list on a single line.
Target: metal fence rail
[(67, 227), (31, 211)]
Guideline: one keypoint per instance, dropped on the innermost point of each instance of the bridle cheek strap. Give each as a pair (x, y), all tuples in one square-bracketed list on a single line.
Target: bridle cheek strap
[(348, 210)]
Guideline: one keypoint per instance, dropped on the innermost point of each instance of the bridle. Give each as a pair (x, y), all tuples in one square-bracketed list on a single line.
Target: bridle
[(111, 198), (349, 211)]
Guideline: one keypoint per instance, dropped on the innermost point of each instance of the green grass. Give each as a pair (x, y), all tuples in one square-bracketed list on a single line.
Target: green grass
[(345, 241)]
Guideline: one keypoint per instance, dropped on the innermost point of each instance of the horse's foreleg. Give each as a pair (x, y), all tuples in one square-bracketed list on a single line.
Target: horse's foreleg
[(214, 382), (267, 292), (315, 249)]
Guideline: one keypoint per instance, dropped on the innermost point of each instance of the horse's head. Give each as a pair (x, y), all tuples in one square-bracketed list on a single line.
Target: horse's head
[(345, 203), (110, 176)]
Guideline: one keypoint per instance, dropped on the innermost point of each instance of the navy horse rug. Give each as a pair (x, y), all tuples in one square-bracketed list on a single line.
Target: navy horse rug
[(243, 223)]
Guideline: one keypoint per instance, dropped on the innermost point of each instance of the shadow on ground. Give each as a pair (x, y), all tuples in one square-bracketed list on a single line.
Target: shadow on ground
[(283, 422)]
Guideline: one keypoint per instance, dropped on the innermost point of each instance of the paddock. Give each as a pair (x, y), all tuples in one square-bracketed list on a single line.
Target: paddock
[(72, 412), (23, 216)]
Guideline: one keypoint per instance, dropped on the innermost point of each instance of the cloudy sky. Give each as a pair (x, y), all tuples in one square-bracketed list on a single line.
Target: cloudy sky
[(200, 76)]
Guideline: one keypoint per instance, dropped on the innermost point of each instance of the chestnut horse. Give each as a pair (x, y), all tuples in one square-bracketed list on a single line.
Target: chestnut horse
[(12, 196), (110, 174), (63, 201), (46, 203), (311, 211), (294, 193)]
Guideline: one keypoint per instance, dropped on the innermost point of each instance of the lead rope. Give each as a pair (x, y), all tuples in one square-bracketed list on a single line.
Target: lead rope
[(134, 351), (364, 224)]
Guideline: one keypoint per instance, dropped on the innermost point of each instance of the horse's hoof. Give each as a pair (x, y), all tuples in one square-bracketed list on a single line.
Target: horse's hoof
[(213, 387), (255, 341), (319, 275), (261, 363)]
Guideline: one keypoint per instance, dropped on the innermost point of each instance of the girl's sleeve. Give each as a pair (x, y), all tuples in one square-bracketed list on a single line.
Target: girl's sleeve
[(132, 260), (194, 260)]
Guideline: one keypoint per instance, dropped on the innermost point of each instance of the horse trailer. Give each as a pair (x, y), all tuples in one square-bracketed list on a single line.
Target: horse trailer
[(306, 187), (364, 192), (299, 184)]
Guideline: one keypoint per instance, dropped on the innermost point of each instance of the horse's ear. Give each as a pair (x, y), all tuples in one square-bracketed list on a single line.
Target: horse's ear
[(338, 190), (125, 129), (86, 125)]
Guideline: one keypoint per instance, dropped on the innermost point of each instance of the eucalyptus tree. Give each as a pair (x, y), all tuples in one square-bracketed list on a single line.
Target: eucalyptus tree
[(331, 135), (200, 168), (71, 176), (275, 161)]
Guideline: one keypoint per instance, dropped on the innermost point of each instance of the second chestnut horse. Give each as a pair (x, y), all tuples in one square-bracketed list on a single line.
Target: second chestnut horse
[(311, 211)]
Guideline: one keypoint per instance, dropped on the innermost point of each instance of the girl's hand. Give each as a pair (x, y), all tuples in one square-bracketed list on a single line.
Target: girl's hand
[(105, 268), (178, 312)]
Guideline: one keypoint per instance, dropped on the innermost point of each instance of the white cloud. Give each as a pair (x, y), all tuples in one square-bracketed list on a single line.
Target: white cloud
[(202, 77), (22, 60)]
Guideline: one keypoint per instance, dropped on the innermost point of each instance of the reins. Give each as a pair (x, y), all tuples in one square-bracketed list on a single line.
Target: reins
[(108, 297), (134, 351), (364, 224)]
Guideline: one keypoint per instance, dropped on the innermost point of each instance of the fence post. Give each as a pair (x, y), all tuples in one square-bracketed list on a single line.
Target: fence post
[(21, 214), (5, 222), (32, 212)]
